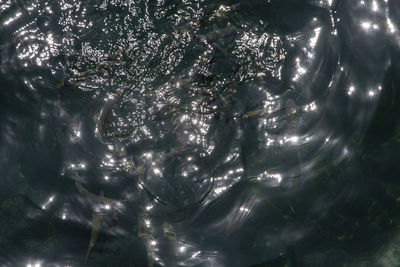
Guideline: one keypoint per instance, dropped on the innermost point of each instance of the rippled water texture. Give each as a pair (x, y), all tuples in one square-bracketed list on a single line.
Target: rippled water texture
[(199, 133)]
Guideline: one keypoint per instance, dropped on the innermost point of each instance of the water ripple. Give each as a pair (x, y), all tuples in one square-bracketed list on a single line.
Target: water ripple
[(196, 133)]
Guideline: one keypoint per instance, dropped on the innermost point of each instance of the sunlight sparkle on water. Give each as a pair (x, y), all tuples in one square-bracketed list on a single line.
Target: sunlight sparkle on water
[(375, 6), (351, 90), (147, 222), (313, 41), (148, 155), (294, 139), (157, 171), (243, 208), (44, 206), (17, 15), (265, 175), (310, 107), (269, 142), (391, 26), (221, 189), (366, 25), (195, 254), (371, 93)]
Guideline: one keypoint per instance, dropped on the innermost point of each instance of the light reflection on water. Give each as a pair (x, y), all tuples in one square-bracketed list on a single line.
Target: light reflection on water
[(203, 134)]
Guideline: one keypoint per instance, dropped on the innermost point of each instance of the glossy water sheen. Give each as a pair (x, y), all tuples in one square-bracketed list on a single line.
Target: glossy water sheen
[(199, 133)]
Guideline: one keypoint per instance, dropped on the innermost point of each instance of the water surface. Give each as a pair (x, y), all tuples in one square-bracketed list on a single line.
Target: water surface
[(199, 133)]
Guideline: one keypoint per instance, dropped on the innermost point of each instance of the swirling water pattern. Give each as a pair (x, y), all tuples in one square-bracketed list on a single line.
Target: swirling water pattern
[(199, 133)]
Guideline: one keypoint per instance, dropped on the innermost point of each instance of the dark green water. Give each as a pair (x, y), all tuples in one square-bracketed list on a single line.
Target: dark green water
[(199, 133)]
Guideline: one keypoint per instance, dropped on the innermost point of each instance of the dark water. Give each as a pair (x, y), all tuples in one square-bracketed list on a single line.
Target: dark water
[(199, 133)]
